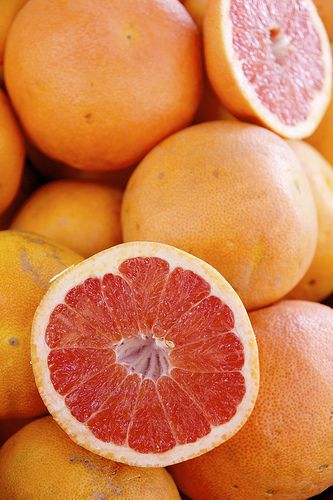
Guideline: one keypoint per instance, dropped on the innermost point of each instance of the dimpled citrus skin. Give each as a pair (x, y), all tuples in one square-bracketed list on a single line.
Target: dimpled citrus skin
[(234, 195), (127, 75), (41, 461), (12, 154), (285, 450), (83, 216), (27, 264), (317, 284), (8, 11), (322, 138)]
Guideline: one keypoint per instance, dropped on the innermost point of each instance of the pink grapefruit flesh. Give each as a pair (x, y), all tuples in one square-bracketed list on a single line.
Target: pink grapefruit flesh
[(270, 62), (149, 360)]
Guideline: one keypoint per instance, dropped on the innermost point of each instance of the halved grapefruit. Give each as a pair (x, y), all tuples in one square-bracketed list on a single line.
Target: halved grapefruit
[(145, 355), (270, 62)]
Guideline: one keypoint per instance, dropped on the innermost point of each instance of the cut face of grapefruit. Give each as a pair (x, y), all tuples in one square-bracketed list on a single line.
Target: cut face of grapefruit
[(270, 62), (145, 354)]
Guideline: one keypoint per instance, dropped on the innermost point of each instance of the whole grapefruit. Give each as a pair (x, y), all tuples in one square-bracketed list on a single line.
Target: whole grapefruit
[(317, 283), (234, 195), (83, 216), (322, 138), (27, 264), (40, 461), (12, 154), (96, 84)]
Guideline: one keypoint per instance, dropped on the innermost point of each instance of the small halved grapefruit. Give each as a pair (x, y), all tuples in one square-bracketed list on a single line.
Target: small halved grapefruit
[(145, 355), (270, 62)]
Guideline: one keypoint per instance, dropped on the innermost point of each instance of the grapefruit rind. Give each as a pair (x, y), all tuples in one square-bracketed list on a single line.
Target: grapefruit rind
[(238, 95), (108, 261)]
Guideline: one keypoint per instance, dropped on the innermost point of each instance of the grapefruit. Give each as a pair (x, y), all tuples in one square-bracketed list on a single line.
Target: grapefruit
[(285, 449), (12, 154), (83, 216), (41, 462), (127, 75), (144, 354), (322, 138), (270, 63), (234, 195), (29, 182), (317, 284), (196, 8), (8, 11), (325, 9), (210, 107), (27, 264)]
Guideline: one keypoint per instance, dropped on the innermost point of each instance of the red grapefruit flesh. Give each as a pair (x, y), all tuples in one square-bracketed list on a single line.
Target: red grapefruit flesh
[(270, 62), (145, 354)]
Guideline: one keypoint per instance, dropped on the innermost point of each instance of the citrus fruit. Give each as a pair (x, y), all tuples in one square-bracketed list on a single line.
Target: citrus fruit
[(41, 462), (83, 216), (196, 8), (144, 354), (29, 182), (210, 107), (270, 62), (317, 284), (10, 426), (8, 11), (127, 75), (234, 195), (12, 153), (27, 264), (322, 138), (285, 449), (325, 9)]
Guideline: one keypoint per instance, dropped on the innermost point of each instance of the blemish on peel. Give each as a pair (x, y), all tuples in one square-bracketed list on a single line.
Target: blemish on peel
[(29, 268), (13, 341), (88, 117)]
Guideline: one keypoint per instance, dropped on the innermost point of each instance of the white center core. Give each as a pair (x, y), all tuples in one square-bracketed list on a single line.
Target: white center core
[(144, 355), (280, 44)]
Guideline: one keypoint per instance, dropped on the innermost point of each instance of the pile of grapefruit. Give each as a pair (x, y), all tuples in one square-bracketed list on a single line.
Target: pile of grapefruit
[(166, 249)]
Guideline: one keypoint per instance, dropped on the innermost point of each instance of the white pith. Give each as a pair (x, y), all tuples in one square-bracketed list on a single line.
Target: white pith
[(145, 355), (319, 103), (108, 261)]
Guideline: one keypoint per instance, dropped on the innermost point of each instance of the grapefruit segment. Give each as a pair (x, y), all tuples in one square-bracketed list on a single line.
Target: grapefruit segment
[(111, 423), (215, 354), (183, 290), (270, 62), (150, 431), (67, 328), (218, 393), (120, 303), (88, 397), (208, 317), (87, 299), (69, 366), (147, 278), (145, 353), (186, 418)]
